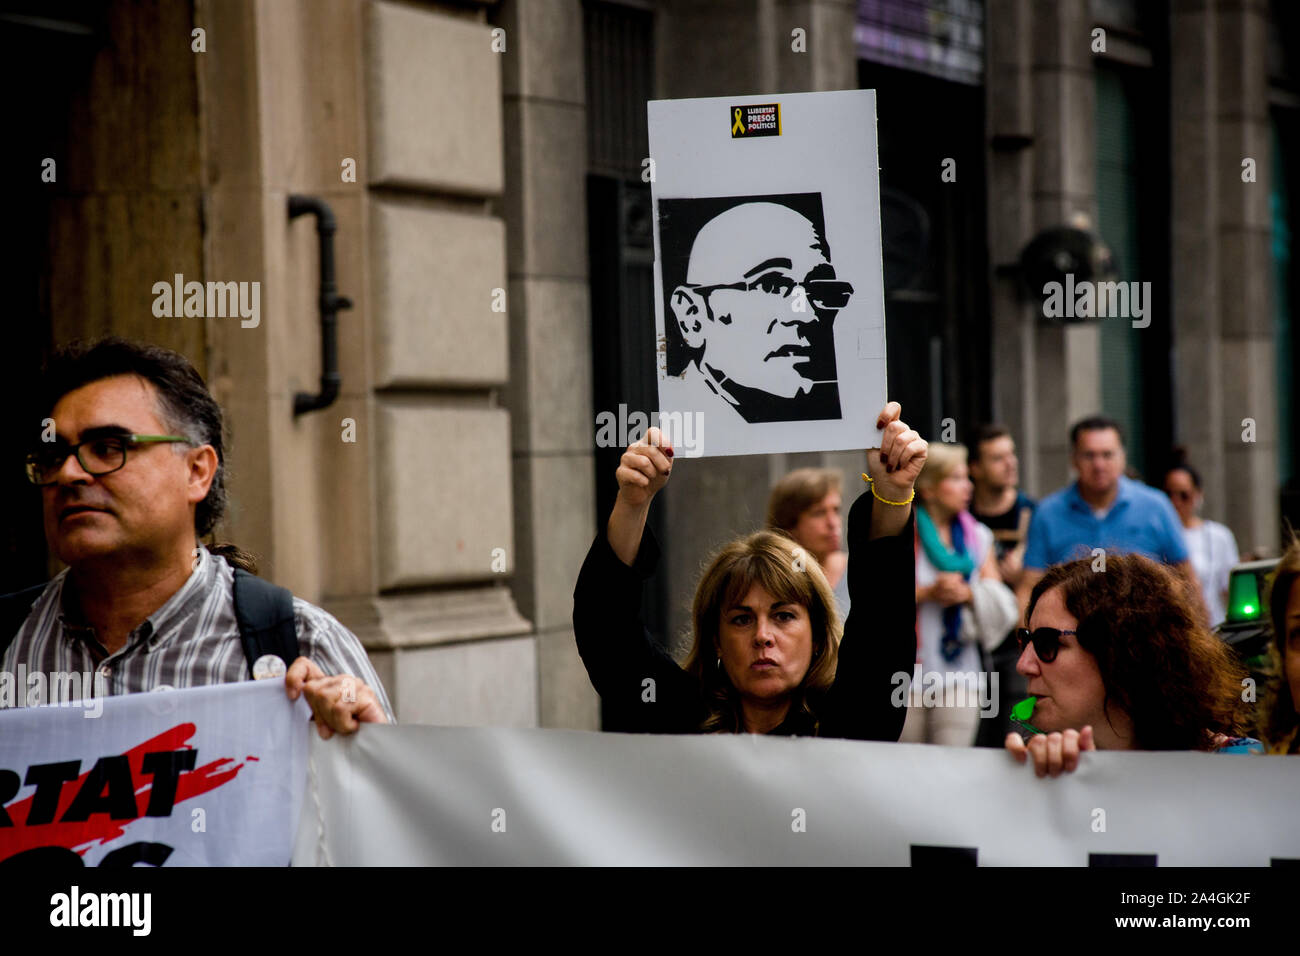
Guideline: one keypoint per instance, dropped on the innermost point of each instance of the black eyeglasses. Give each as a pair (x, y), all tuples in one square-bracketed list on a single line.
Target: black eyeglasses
[(825, 294), (97, 456), (1046, 641)]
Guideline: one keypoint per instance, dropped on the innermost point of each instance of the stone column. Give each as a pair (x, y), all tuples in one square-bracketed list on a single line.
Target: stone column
[(1042, 171), (1067, 377), (1194, 263), (1009, 120), (1223, 353), (388, 507), (446, 628), (549, 390), (830, 60), (1243, 237)]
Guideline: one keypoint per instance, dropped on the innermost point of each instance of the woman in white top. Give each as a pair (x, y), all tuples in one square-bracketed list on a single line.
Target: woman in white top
[(1211, 546), (953, 551)]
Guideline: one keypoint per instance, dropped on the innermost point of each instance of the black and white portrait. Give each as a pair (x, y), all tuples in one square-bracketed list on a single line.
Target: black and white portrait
[(769, 304), (751, 294)]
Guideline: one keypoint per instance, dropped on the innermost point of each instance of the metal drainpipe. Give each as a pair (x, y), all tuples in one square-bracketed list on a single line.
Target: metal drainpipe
[(330, 304)]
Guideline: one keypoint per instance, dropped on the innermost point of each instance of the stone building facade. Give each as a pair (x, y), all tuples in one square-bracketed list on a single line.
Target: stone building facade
[(446, 527)]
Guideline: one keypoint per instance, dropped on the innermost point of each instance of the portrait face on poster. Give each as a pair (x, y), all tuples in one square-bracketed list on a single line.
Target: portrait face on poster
[(769, 299), (752, 298)]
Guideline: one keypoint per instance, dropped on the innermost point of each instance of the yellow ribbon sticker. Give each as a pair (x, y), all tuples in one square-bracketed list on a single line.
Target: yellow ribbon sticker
[(738, 125)]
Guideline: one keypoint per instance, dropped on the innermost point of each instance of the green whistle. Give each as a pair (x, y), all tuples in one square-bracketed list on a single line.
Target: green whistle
[(1022, 711)]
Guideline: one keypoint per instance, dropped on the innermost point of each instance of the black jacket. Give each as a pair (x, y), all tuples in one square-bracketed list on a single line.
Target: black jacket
[(879, 642)]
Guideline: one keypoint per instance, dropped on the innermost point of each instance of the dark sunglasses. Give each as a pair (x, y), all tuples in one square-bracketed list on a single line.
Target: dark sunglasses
[(1046, 641)]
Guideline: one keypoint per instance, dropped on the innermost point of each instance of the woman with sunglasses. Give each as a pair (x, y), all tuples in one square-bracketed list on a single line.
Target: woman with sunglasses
[(1118, 659), (1210, 546)]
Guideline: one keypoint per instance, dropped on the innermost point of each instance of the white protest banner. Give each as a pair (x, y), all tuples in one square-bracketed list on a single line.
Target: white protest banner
[(204, 776), (769, 297), (484, 796)]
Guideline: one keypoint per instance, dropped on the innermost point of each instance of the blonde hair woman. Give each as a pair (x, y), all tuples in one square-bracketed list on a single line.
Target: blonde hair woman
[(956, 568), (769, 654), (775, 565)]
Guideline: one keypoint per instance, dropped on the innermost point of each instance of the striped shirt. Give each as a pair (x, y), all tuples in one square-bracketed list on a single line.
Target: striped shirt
[(191, 641)]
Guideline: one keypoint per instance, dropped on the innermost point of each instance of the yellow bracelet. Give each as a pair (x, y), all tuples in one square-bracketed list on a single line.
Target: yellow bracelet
[(872, 485)]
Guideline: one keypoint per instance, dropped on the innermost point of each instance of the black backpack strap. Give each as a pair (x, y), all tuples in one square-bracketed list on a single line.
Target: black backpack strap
[(14, 609), (266, 623)]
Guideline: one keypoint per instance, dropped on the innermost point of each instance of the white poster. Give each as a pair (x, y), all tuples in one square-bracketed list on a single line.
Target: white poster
[(205, 776), (769, 298), (485, 796)]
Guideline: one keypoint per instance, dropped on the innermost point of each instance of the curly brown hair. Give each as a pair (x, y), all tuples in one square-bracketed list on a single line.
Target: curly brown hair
[(1282, 725), (788, 573), (1177, 682)]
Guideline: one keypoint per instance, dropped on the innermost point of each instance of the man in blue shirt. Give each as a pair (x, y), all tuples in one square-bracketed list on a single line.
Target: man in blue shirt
[(1103, 509)]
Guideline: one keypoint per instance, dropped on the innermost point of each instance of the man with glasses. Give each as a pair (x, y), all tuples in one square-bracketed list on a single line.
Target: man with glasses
[(1102, 509), (756, 314), (130, 464)]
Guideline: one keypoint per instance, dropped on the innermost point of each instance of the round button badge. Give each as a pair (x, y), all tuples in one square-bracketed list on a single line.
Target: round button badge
[(267, 666)]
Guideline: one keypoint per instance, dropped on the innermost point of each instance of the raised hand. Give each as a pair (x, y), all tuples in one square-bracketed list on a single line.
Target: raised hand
[(895, 466), (893, 469), (644, 469)]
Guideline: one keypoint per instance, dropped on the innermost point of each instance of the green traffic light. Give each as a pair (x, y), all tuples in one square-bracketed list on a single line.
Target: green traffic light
[(1243, 596)]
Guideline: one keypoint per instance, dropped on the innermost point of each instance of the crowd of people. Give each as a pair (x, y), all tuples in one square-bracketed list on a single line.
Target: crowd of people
[(1100, 602)]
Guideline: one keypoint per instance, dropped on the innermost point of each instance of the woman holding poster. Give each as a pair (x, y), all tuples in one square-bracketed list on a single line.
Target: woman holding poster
[(769, 653)]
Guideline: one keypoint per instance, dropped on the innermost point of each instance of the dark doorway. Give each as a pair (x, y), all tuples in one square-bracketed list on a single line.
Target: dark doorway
[(46, 49), (619, 54), (935, 247)]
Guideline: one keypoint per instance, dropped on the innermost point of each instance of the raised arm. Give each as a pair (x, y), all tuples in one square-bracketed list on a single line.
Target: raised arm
[(893, 470), (879, 641), (642, 471), (642, 688)]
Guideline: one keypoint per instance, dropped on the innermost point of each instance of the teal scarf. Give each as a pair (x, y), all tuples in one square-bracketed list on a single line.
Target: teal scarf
[(941, 556)]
